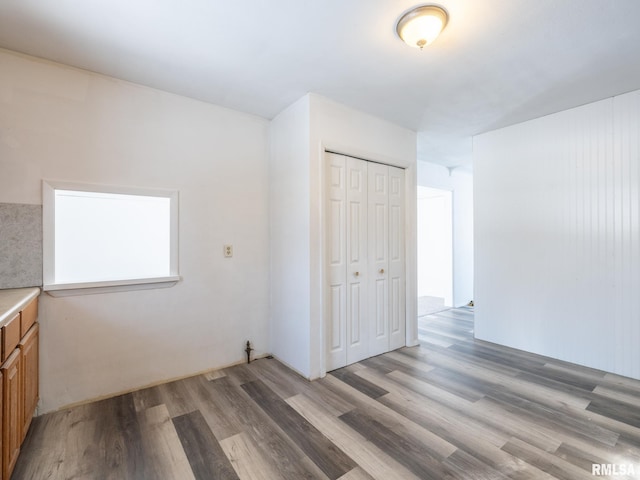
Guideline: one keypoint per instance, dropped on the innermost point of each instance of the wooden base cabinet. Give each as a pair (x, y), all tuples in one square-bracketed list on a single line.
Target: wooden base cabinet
[(1, 423), (11, 412), (18, 383)]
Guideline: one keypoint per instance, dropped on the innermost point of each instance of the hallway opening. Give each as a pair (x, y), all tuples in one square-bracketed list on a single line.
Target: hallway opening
[(435, 250)]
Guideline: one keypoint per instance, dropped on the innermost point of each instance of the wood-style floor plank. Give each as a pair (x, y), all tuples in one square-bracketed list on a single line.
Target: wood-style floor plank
[(557, 420), (461, 465), (212, 406), (356, 474), (330, 459), (360, 384), (43, 453), (247, 460), (214, 375), (146, 398), (166, 457), (286, 383), (416, 457), (461, 429), (376, 462), (410, 361), (279, 449), (205, 455), (81, 457), (616, 409), (630, 397), (119, 446), (545, 461), (389, 418), (578, 457), (452, 408), (496, 379)]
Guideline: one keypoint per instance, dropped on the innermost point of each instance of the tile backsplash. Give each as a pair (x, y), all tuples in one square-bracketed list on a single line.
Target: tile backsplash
[(20, 245)]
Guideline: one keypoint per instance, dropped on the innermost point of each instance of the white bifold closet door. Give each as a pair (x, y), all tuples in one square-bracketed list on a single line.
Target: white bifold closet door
[(365, 300)]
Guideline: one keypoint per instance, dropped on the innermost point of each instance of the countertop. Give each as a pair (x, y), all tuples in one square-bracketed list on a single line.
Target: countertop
[(15, 299)]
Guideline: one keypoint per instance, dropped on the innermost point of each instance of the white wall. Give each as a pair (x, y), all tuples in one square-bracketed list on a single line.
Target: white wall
[(66, 124), (322, 124), (460, 183), (341, 129), (557, 203), (289, 231)]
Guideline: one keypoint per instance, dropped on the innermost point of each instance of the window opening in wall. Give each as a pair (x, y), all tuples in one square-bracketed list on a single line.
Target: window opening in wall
[(102, 237)]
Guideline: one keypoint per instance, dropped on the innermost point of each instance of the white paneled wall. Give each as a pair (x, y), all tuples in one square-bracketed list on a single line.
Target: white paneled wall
[(557, 235)]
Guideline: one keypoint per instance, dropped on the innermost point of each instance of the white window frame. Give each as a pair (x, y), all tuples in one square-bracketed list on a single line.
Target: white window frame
[(49, 188)]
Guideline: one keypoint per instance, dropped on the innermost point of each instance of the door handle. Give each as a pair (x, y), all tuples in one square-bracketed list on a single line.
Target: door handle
[(382, 270), (357, 274)]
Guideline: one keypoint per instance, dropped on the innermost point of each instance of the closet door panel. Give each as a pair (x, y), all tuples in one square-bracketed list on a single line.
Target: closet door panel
[(357, 252), (336, 296), (378, 229), (397, 268), (365, 292)]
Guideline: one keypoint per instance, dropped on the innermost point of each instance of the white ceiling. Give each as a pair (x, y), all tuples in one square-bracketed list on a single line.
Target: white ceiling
[(498, 62)]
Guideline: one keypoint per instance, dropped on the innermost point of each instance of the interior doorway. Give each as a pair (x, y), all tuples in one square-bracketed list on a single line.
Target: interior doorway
[(435, 250)]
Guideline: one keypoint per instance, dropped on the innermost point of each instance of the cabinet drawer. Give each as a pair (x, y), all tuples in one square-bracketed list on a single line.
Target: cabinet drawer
[(29, 317), (10, 336)]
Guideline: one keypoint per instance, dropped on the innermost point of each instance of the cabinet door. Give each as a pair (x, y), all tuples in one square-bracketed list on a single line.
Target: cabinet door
[(29, 351), (11, 410)]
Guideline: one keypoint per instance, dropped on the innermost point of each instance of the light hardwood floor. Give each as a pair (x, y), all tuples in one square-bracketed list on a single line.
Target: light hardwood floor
[(453, 408)]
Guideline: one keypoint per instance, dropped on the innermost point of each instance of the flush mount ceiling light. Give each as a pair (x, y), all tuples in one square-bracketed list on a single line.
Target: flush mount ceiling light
[(421, 25)]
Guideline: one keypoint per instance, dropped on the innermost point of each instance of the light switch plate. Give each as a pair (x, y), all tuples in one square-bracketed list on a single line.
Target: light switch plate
[(228, 250)]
